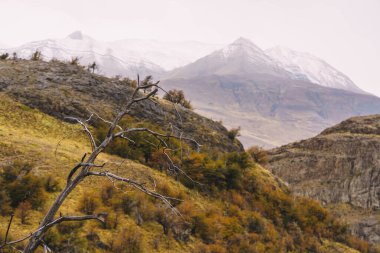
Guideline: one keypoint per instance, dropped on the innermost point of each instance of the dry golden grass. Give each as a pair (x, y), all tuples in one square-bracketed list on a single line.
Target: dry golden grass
[(54, 147)]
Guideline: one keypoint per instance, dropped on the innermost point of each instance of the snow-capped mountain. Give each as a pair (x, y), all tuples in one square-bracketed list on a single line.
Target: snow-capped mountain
[(88, 50), (242, 57), (305, 66), (130, 57), (242, 85), (126, 58)]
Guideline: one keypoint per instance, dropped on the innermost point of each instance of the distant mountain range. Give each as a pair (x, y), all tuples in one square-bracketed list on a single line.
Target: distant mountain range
[(130, 57), (276, 95), (125, 57)]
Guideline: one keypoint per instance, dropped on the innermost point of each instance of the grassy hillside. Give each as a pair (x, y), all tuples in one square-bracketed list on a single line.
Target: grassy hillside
[(240, 206), (52, 147), (62, 89)]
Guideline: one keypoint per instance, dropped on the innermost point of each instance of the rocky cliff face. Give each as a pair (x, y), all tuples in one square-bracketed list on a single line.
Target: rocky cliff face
[(340, 165)]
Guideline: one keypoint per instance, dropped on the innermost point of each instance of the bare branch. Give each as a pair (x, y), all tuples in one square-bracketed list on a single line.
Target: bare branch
[(73, 170), (46, 248), (100, 217), (157, 135), (128, 139), (152, 93), (85, 128), (138, 186), (8, 228), (104, 120)]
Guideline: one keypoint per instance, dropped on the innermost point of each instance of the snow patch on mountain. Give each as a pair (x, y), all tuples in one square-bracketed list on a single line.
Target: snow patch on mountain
[(305, 66)]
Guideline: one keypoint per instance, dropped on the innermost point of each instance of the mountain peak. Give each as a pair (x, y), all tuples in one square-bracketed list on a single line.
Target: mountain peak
[(242, 40), (245, 43), (77, 35), (244, 49), (241, 46)]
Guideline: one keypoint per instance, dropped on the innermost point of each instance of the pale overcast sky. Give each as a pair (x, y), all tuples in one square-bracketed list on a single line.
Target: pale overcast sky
[(346, 33)]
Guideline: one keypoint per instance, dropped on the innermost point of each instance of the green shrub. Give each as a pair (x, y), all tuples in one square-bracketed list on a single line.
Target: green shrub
[(15, 170), (51, 184), (36, 56), (177, 97), (23, 211), (128, 241), (233, 133), (258, 154), (74, 61), (4, 56), (28, 188), (5, 202), (89, 203), (65, 237)]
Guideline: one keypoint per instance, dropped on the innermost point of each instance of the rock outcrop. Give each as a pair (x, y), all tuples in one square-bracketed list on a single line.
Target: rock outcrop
[(340, 165)]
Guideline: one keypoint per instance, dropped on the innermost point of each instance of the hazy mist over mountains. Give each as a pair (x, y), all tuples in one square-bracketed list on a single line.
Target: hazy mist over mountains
[(184, 126), (276, 95), (130, 57), (124, 57)]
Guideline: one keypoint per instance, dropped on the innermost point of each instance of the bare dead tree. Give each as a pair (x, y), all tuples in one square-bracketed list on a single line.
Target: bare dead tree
[(92, 67), (86, 167)]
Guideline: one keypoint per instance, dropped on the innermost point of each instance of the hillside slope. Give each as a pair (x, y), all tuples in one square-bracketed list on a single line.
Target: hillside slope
[(240, 206), (338, 166), (53, 147), (62, 89)]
